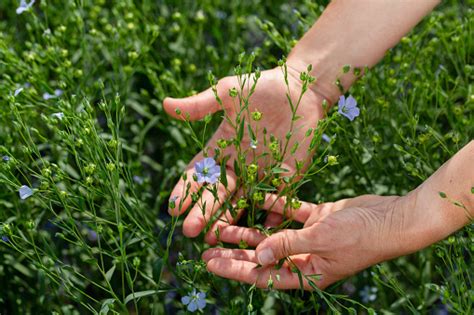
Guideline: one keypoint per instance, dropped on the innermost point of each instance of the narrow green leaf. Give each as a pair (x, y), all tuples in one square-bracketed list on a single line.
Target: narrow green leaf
[(236, 168), (224, 171), (265, 187), (240, 134), (110, 273), (251, 133), (104, 310), (137, 295), (279, 170), (157, 268)]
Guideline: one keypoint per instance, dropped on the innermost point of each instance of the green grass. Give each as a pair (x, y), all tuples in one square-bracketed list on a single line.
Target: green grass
[(93, 234)]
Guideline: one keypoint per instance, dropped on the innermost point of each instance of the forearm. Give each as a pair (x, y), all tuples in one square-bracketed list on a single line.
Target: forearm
[(443, 204), (355, 33)]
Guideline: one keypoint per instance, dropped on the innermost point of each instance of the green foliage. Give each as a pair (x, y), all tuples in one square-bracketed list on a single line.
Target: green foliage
[(96, 236)]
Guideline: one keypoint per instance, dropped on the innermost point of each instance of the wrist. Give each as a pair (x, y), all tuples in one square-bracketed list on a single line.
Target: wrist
[(423, 223), (326, 72)]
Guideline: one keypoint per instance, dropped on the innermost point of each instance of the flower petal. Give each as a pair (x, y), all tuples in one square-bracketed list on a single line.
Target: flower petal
[(215, 170), (25, 192), (20, 10), (209, 162), (47, 96), (199, 166), (185, 300), (201, 303), (59, 115), (326, 138), (213, 178), (192, 306), (18, 91), (342, 101), (200, 178), (351, 102), (354, 112)]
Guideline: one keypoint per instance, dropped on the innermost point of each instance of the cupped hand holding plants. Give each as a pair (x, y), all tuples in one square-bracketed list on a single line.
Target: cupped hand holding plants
[(337, 240), (267, 116), (341, 238)]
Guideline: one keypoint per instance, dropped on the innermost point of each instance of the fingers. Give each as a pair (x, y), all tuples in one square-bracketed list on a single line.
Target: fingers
[(199, 105), (273, 220), (240, 266), (239, 254), (236, 234), (201, 213), (284, 244), (252, 237), (278, 205)]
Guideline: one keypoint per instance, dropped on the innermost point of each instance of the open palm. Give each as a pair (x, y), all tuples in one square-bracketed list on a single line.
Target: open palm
[(270, 99)]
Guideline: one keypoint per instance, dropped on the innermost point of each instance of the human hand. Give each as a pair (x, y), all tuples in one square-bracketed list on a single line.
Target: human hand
[(341, 238), (338, 239), (270, 99)]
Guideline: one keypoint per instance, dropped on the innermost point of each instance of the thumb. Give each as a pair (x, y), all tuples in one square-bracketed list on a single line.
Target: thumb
[(284, 244), (199, 105)]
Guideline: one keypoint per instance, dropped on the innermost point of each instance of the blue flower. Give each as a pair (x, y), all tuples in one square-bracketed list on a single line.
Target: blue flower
[(194, 300), (18, 91), (348, 107), (47, 96), (137, 179), (57, 93), (207, 171), (59, 115), (24, 6), (326, 138), (368, 294), (25, 192), (92, 235), (6, 158), (5, 239)]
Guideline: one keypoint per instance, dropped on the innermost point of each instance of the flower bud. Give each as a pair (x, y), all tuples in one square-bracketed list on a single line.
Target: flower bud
[(256, 115), (136, 262), (257, 196), (233, 92), (332, 160), (295, 203), (89, 180), (276, 182), (90, 168), (113, 144), (242, 203), (111, 166), (30, 225), (222, 143), (252, 168)]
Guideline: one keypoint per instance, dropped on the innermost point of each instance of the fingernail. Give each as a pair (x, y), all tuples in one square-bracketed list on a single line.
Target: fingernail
[(265, 257)]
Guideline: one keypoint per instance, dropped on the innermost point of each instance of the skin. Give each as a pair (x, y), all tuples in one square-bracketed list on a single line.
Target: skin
[(344, 237), (341, 238), (269, 94), (349, 32)]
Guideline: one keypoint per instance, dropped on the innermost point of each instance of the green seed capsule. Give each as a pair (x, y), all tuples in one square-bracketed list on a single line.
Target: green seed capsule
[(256, 115)]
